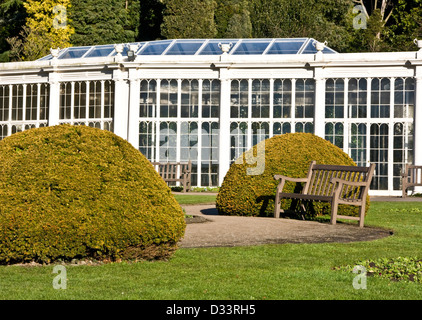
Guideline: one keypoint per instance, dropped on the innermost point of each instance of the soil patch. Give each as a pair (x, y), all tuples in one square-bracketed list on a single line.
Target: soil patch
[(208, 229)]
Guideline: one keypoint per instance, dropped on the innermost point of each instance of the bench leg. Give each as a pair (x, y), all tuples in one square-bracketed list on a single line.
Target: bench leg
[(362, 213), (277, 205), (334, 209)]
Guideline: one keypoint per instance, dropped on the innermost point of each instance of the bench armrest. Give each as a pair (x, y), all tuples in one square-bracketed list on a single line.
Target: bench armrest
[(350, 183), (280, 177)]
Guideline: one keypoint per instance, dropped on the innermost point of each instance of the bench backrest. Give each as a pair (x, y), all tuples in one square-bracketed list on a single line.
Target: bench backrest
[(172, 171), (413, 175), (320, 175)]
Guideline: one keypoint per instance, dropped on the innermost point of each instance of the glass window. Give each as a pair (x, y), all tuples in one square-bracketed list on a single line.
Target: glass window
[(100, 51), (184, 48), (260, 98), (239, 99), (334, 133), (305, 98), (17, 102), (404, 97), (357, 144), (334, 98), (168, 141), (168, 98), (238, 139), (380, 98), (148, 99), (251, 47), (286, 47), (4, 102), (72, 53), (189, 99), (357, 98), (281, 128), (379, 155), (209, 154), (282, 98), (210, 98), (155, 48)]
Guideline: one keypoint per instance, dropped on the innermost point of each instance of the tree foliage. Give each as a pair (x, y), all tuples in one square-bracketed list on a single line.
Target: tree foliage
[(188, 19), (104, 21), (12, 18), (48, 27)]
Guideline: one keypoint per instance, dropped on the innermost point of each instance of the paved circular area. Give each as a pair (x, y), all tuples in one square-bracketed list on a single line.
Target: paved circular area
[(227, 231)]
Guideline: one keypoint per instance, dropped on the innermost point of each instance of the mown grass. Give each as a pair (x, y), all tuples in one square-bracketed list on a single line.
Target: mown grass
[(287, 271)]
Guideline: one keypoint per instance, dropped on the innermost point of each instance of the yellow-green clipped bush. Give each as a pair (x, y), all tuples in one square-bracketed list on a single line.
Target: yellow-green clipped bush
[(74, 192), (246, 193)]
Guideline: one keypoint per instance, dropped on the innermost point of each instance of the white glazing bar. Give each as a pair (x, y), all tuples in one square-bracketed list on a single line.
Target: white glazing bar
[(224, 134)]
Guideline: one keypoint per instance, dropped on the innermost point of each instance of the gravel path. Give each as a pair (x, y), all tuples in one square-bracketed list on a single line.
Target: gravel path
[(227, 231)]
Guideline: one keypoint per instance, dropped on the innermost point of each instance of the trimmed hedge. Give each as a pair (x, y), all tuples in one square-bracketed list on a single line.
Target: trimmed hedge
[(72, 192), (288, 154)]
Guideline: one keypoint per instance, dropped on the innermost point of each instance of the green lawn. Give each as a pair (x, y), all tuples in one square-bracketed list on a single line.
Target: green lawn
[(287, 271)]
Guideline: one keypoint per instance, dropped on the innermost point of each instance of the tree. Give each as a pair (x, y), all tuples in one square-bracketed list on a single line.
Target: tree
[(47, 27), (232, 19), (188, 19), (324, 20), (151, 18), (406, 24), (377, 14), (12, 19), (104, 21)]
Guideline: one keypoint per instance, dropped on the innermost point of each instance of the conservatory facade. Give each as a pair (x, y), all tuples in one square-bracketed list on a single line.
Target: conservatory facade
[(210, 100)]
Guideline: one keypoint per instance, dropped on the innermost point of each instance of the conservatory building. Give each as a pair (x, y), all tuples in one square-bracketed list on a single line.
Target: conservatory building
[(209, 100)]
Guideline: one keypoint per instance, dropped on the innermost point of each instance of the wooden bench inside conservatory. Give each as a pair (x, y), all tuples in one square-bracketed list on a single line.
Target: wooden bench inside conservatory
[(175, 172), (412, 177), (330, 183)]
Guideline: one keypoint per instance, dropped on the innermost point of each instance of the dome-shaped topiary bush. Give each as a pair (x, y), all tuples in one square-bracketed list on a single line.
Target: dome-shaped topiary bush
[(249, 186), (74, 192)]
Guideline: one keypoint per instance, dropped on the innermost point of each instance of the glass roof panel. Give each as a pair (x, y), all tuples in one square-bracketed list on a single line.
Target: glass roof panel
[(199, 46), (74, 52), (100, 51), (184, 47), (155, 48), (212, 47), (251, 47), (290, 46)]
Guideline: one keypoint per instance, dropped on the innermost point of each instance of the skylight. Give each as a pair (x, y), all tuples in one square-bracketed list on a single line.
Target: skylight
[(199, 47)]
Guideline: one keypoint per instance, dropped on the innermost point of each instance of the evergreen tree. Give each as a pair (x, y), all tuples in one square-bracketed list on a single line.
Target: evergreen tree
[(151, 18), (184, 19), (104, 21), (12, 19), (232, 19)]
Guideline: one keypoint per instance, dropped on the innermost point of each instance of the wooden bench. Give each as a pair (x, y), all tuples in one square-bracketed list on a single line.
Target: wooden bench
[(175, 172), (330, 183), (412, 177)]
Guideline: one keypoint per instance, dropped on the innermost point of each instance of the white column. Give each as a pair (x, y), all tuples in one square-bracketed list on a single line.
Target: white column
[(319, 111), (54, 103), (121, 104), (224, 134), (133, 112)]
